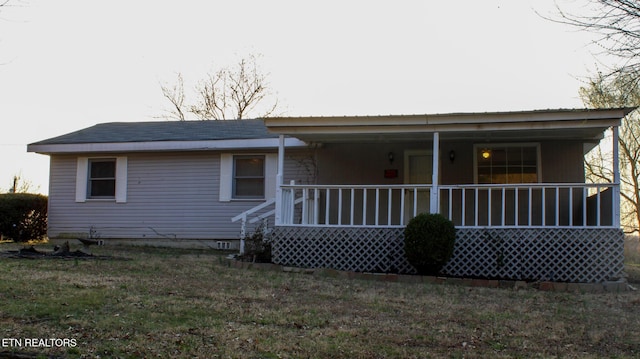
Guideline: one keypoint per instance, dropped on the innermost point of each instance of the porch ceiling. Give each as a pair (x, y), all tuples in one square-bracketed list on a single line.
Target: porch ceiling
[(587, 125)]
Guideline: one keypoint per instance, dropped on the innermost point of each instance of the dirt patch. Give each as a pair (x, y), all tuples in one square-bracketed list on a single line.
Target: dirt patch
[(58, 252)]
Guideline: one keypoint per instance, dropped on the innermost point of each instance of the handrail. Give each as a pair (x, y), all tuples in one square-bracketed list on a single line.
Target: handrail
[(270, 213), (356, 186), (253, 210), (483, 185)]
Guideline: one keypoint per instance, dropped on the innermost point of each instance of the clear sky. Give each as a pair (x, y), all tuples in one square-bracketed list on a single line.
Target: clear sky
[(69, 64)]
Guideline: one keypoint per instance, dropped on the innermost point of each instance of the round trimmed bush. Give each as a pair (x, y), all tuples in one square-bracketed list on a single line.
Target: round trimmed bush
[(428, 242)]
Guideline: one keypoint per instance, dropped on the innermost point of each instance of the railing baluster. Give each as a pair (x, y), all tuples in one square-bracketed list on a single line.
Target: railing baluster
[(475, 206), (339, 206), (516, 204), (504, 213), (305, 205), (557, 206), (415, 201), (464, 210), (316, 205), (489, 206), (598, 206), (353, 207), (389, 207), (377, 206), (327, 202), (293, 205), (544, 207), (450, 203), (570, 206), (530, 207), (402, 193), (364, 206), (584, 206)]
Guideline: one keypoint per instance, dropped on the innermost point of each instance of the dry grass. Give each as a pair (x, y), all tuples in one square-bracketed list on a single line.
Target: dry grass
[(632, 259), (190, 304)]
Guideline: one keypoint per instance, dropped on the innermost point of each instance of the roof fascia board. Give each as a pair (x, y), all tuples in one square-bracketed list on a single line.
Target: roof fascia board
[(275, 123), (262, 143), (511, 126)]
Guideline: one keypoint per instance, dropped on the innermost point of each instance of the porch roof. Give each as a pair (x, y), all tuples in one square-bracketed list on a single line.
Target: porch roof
[(582, 124)]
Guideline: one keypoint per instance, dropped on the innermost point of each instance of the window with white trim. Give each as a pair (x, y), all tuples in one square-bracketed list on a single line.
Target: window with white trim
[(507, 163), (101, 181), (101, 178), (248, 177)]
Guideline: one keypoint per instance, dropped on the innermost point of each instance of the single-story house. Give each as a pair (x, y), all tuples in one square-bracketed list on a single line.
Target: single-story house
[(339, 190)]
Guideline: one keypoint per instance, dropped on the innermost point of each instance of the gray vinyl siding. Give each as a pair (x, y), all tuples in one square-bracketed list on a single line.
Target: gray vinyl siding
[(169, 195), (561, 162)]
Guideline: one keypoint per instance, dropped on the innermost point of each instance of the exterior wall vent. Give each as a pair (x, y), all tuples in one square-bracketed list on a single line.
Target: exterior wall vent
[(223, 245)]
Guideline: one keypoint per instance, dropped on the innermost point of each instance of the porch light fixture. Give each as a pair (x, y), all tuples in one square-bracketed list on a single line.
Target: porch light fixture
[(390, 156), (452, 156), (486, 154)]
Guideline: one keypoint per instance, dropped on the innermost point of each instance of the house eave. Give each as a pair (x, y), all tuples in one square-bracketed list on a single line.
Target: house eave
[(583, 124), (451, 118), (162, 146)]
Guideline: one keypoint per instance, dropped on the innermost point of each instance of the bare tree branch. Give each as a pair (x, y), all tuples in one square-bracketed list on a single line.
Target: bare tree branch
[(175, 95), (237, 92), (617, 24), (618, 91)]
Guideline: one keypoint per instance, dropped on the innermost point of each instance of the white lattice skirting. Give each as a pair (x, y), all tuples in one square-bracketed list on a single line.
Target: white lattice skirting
[(566, 255)]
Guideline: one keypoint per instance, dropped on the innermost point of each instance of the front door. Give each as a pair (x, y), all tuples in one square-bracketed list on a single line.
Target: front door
[(418, 169)]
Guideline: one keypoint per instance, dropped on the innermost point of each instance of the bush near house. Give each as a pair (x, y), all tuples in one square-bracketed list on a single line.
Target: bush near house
[(428, 242), (258, 246), (23, 216)]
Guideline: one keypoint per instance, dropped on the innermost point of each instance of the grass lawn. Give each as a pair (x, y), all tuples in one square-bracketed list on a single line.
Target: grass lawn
[(190, 304)]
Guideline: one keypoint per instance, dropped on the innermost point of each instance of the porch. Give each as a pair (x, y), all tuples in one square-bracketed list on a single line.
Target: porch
[(559, 232), (522, 225)]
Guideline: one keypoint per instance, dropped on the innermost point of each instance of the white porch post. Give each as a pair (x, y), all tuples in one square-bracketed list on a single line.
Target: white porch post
[(279, 181), (616, 177), (434, 205)]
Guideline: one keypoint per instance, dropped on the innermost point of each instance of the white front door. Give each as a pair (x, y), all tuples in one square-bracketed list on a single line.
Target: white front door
[(418, 169)]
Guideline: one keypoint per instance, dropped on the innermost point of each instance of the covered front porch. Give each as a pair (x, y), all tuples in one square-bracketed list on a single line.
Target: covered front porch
[(512, 183)]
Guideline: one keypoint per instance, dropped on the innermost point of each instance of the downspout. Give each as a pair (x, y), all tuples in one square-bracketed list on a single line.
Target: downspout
[(434, 206)]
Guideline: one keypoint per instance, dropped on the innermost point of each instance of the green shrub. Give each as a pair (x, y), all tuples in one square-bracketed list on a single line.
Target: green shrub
[(257, 246), (23, 216), (428, 242)]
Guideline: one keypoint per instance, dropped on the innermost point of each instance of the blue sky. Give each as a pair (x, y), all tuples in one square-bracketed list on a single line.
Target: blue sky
[(70, 64)]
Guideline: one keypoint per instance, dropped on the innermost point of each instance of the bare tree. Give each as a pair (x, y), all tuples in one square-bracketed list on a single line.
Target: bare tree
[(21, 185), (619, 91), (175, 95), (237, 92), (617, 24)]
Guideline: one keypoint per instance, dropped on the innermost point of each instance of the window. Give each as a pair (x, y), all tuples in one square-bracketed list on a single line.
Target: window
[(507, 163), (102, 178), (248, 177)]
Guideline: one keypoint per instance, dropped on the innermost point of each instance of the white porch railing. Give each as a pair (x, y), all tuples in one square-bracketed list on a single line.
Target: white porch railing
[(468, 206), (530, 205), (353, 205)]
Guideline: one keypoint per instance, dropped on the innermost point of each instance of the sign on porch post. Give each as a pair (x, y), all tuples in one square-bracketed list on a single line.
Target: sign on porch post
[(433, 205)]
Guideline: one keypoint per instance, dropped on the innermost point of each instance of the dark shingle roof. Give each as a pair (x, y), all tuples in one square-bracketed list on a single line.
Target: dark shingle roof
[(118, 132)]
